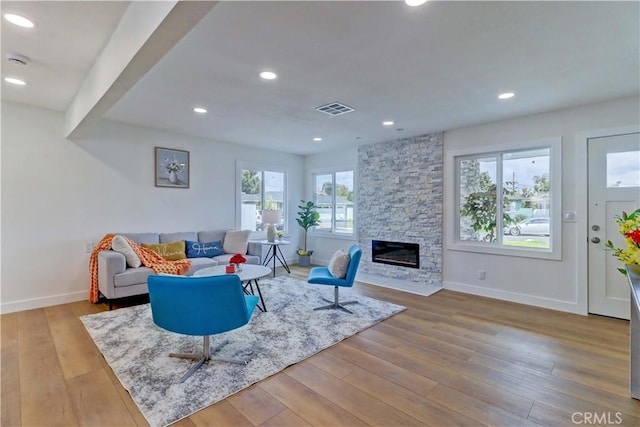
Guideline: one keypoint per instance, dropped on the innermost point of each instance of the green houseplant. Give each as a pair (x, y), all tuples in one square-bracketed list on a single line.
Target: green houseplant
[(308, 217)]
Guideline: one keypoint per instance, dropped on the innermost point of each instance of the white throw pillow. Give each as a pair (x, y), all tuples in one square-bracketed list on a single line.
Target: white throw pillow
[(120, 244), (235, 242), (339, 264)]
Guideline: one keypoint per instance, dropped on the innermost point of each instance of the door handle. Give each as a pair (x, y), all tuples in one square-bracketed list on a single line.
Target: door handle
[(595, 239)]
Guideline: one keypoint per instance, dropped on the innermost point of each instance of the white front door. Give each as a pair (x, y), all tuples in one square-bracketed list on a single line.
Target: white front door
[(614, 187)]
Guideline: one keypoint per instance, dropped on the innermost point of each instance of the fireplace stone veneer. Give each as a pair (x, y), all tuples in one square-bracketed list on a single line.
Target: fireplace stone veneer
[(399, 191)]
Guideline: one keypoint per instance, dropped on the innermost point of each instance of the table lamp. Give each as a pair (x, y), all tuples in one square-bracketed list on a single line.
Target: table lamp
[(271, 218)]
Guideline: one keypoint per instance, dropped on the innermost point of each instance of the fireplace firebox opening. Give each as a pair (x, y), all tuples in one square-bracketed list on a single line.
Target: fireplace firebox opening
[(396, 253)]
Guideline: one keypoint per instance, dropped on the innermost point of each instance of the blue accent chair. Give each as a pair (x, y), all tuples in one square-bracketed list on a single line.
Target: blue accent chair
[(322, 276), (200, 306)]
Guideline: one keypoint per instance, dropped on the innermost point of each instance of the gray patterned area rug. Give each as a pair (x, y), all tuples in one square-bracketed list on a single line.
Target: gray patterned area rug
[(290, 331)]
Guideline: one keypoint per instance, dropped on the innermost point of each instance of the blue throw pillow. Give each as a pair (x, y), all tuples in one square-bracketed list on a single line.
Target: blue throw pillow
[(203, 249)]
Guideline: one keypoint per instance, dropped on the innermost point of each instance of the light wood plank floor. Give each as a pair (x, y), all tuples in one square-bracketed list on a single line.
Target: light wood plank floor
[(449, 360)]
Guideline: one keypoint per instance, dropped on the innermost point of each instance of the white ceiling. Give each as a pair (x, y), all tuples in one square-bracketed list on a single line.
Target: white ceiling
[(432, 68)]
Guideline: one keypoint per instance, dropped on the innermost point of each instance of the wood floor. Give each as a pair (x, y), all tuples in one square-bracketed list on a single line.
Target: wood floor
[(449, 360)]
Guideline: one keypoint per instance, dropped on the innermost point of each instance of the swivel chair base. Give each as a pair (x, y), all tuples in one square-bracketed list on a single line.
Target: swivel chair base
[(205, 356), (336, 303)]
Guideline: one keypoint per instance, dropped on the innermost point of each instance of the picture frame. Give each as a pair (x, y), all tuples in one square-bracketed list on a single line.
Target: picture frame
[(172, 168)]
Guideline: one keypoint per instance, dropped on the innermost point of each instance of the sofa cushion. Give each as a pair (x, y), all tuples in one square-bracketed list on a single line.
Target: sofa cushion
[(203, 249), (143, 237), (339, 264), (120, 244), (235, 242), (211, 235), (170, 251), (174, 237), (132, 276)]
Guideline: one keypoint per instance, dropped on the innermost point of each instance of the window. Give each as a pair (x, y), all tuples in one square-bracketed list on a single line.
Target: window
[(261, 190), (623, 169), (335, 207), (507, 201)]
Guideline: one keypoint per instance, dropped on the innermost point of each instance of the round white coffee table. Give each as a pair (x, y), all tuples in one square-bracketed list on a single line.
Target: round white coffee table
[(249, 276)]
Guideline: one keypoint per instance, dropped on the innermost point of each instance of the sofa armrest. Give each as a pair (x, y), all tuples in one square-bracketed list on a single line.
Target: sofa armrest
[(255, 248), (110, 263)]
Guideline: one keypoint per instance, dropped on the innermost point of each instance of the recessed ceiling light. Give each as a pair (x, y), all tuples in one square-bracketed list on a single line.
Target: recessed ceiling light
[(268, 75), (317, 139), (15, 81), (414, 3), (387, 123), (506, 95), (18, 20), (199, 110)]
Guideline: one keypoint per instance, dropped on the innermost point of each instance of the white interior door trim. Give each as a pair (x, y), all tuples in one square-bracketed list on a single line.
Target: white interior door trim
[(582, 205)]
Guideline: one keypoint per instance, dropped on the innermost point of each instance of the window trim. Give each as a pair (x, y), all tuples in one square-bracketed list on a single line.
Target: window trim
[(555, 176), (242, 165), (332, 233)]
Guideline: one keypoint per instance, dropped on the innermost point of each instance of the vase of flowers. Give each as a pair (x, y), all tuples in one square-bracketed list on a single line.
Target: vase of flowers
[(173, 168), (629, 227), (237, 260)]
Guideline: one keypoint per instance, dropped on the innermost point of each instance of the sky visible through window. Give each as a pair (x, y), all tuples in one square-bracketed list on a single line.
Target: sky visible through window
[(341, 178), (623, 169), (520, 170)]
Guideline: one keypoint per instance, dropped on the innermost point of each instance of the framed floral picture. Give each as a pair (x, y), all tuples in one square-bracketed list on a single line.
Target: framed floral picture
[(172, 168)]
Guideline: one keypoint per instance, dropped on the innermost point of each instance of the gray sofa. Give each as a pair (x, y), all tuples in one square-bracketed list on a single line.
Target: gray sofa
[(117, 280)]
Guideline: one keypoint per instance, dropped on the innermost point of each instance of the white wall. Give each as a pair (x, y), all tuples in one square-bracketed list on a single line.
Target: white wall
[(552, 284), (58, 195), (345, 159)]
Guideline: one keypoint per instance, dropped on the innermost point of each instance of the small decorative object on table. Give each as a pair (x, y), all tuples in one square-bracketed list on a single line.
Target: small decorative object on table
[(279, 234), (237, 260), (630, 228), (230, 269)]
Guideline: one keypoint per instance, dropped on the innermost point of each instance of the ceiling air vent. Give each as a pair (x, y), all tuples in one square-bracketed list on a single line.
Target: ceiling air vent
[(335, 109)]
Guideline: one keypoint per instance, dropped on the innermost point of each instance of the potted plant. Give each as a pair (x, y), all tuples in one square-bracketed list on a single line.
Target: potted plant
[(308, 217)]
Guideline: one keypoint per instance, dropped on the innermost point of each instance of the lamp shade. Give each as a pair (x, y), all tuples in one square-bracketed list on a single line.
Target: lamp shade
[(271, 216)]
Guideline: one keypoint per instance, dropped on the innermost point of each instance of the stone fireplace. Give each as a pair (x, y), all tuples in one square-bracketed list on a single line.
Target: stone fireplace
[(400, 198)]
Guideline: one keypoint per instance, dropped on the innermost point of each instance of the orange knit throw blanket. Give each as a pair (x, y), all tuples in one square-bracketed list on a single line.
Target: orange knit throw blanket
[(148, 257)]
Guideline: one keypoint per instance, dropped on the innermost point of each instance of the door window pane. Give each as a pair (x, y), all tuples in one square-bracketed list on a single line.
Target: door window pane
[(623, 169)]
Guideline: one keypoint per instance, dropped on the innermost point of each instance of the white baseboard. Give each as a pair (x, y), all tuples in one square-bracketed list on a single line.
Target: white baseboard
[(29, 304), (399, 284), (553, 304)]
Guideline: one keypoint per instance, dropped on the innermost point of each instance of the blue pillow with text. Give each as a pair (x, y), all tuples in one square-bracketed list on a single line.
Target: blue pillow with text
[(203, 249)]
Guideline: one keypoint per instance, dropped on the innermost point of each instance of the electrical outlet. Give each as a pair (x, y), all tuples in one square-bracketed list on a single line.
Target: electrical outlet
[(89, 247), (482, 274)]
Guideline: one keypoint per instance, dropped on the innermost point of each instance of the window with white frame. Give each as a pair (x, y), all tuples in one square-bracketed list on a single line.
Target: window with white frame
[(333, 197), (262, 198), (507, 201)]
